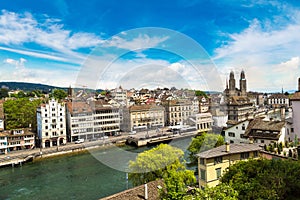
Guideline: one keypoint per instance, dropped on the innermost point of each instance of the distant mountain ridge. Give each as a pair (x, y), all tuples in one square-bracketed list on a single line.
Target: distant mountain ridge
[(27, 86)]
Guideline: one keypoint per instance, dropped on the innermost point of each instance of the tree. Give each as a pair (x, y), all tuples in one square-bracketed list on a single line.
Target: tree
[(3, 93), (59, 94), (203, 142), (163, 162), (221, 191), (20, 113), (200, 93), (264, 179)]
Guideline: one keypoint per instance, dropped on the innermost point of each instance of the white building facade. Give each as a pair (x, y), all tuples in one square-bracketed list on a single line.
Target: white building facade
[(51, 124), (204, 122), (235, 133)]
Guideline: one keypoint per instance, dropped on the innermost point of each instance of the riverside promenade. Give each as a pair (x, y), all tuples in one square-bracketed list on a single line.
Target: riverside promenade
[(15, 158)]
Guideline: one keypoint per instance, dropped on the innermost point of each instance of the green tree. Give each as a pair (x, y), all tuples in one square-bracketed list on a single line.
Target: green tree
[(163, 162), (59, 94), (203, 142), (20, 113), (3, 93), (264, 179), (221, 191), (200, 93)]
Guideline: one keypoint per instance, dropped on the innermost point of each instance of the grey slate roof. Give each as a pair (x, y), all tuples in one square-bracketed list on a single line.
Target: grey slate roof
[(234, 149)]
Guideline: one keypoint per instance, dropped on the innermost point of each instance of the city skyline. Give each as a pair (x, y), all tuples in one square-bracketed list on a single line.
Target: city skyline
[(43, 42)]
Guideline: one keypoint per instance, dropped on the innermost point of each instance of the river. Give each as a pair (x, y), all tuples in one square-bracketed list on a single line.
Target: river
[(92, 175)]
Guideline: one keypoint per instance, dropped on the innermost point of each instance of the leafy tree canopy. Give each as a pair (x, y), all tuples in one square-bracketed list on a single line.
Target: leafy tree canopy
[(200, 93), (59, 94), (20, 113), (221, 191), (3, 93), (203, 142), (163, 162), (264, 179)]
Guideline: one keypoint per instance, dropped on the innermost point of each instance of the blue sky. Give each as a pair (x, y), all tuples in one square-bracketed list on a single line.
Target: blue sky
[(55, 42)]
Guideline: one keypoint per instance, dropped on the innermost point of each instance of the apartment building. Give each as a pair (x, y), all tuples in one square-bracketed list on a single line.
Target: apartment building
[(204, 122), (143, 117), (236, 132), (51, 124), (91, 121), (239, 108), (18, 139), (278, 100), (214, 162), (3, 143), (177, 112)]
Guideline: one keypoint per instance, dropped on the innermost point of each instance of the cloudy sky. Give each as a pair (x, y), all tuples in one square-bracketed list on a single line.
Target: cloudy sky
[(182, 43)]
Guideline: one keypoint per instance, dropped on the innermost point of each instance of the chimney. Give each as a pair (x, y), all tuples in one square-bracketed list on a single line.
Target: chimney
[(227, 146)]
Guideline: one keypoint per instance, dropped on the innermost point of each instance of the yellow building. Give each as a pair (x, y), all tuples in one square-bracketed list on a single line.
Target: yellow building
[(213, 163)]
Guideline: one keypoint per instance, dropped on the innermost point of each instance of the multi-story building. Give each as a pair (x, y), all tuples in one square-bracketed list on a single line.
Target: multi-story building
[(204, 122), (239, 108), (214, 162), (295, 101), (203, 104), (51, 124), (119, 94), (177, 112), (19, 139), (278, 100), (143, 117), (3, 143), (91, 121), (1, 115), (266, 132), (236, 132)]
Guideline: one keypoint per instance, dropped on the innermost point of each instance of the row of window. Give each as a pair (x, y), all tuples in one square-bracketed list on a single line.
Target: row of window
[(54, 133)]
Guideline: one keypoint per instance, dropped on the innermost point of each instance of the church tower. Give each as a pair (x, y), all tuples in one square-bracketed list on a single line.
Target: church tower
[(231, 84), (243, 84)]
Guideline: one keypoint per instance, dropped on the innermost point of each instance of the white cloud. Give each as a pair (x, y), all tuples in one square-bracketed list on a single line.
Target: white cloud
[(18, 29), (268, 50), (142, 41)]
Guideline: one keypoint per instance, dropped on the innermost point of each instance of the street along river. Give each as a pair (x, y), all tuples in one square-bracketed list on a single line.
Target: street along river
[(75, 176)]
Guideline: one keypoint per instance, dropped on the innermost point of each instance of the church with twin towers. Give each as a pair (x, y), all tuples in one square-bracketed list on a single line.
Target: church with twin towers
[(231, 89)]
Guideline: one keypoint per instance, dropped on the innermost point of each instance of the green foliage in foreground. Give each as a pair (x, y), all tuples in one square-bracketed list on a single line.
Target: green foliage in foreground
[(163, 162), (221, 191), (20, 113), (203, 142), (264, 179)]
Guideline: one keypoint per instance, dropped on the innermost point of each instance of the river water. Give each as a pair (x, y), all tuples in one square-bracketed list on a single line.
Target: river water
[(90, 175)]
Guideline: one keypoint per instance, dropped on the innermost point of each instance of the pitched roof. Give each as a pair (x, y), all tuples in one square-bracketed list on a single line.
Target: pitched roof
[(234, 149), (295, 97), (269, 129), (138, 193), (278, 96), (239, 100)]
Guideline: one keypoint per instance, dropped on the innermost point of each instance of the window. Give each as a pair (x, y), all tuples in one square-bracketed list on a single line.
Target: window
[(61, 132), (201, 161), (218, 159), (46, 127), (244, 155), (242, 136), (255, 154), (46, 121), (231, 134), (236, 126), (46, 133), (292, 130), (231, 141), (262, 141), (243, 127), (218, 172), (202, 174)]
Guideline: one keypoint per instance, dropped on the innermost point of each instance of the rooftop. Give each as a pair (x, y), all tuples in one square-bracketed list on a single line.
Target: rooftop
[(234, 149)]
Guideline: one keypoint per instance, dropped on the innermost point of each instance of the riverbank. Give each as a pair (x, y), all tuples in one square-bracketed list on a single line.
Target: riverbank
[(20, 157)]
